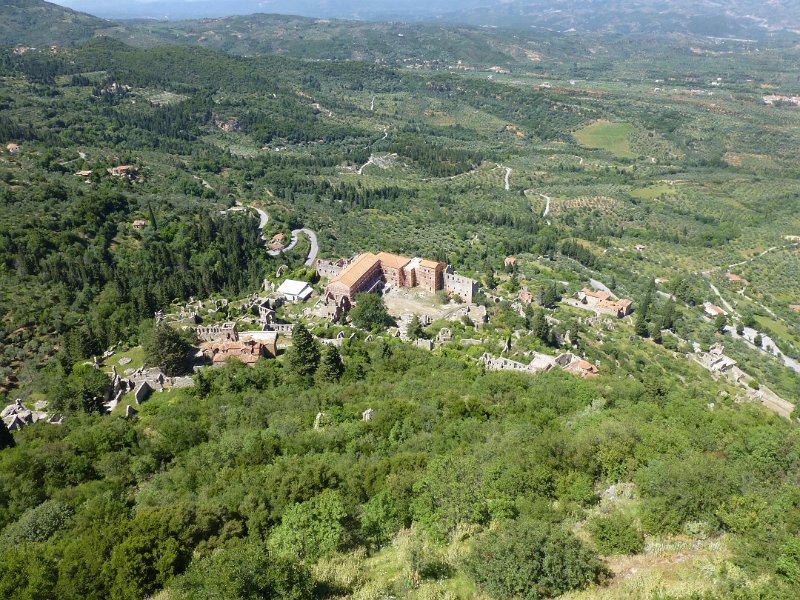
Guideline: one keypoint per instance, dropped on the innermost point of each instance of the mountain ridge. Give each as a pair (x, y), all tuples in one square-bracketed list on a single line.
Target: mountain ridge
[(35, 22)]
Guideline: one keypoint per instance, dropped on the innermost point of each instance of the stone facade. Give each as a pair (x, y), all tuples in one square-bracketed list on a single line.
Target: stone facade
[(458, 285), (368, 272), (602, 302), (330, 269), (226, 332)]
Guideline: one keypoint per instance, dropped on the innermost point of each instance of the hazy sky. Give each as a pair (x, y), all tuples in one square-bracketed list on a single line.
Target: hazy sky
[(317, 8)]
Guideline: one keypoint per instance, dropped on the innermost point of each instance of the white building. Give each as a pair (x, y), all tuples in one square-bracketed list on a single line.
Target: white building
[(294, 290)]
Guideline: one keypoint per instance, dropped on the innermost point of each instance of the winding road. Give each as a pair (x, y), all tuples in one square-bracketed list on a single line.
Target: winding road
[(312, 238)]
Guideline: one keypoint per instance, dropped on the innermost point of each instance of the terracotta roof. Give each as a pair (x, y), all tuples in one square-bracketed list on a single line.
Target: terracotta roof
[(429, 264), (733, 277), (278, 236), (12, 146), (624, 303), (356, 269), (525, 296), (83, 173), (715, 310), (510, 260), (794, 307), (248, 351), (607, 304), (583, 367), (600, 295), (392, 261)]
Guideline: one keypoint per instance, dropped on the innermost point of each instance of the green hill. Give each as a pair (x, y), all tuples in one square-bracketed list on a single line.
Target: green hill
[(38, 23)]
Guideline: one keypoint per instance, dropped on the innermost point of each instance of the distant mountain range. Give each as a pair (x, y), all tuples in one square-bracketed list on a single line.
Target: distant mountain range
[(37, 22), (723, 18)]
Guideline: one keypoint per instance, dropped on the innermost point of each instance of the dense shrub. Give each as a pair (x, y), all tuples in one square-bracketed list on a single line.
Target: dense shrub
[(616, 534), (243, 572), (532, 560), (38, 524)]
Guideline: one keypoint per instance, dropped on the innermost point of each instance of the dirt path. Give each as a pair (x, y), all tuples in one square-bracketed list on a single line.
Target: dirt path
[(724, 302), (547, 206), (366, 164), (754, 258)]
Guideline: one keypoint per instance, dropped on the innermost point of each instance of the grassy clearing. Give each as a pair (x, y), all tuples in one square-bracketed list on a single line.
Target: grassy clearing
[(135, 354), (673, 567), (614, 137), (650, 193)]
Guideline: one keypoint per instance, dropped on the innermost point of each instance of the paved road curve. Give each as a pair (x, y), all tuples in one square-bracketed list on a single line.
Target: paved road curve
[(312, 237)]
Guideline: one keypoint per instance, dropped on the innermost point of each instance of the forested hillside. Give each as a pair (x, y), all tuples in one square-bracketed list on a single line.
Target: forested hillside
[(39, 23), (379, 456)]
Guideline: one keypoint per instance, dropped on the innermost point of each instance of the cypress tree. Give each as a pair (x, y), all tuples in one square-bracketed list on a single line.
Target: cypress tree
[(331, 367), (304, 356)]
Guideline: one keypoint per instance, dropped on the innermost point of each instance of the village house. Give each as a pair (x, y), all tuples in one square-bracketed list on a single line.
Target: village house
[(83, 173), (582, 368), (139, 224), (592, 297), (601, 301), (13, 148), (276, 243), (232, 209), (126, 171), (618, 308), (712, 310), (525, 296), (773, 99), (510, 261), (734, 278)]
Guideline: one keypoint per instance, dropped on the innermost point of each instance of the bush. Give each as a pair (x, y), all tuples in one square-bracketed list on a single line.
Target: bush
[(616, 534), (788, 563), (311, 529), (37, 524), (243, 572), (369, 312), (532, 560)]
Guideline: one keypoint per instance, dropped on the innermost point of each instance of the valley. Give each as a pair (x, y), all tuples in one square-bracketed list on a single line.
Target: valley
[(333, 309)]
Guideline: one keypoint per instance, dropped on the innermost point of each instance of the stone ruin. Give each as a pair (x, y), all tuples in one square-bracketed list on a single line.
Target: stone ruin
[(17, 415)]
